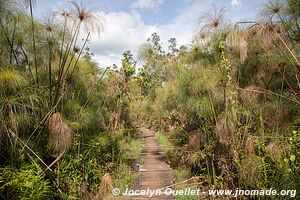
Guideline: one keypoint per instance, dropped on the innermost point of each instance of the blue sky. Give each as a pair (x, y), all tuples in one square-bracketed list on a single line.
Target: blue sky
[(128, 23)]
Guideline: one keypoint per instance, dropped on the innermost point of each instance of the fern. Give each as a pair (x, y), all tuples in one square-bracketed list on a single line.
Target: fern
[(26, 183)]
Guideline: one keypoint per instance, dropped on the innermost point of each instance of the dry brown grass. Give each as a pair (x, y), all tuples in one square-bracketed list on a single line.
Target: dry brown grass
[(274, 115), (251, 94), (252, 171), (116, 121), (265, 32), (227, 169), (105, 187), (217, 95), (250, 144), (196, 140), (101, 122), (224, 130), (243, 47), (260, 32), (60, 134), (278, 149)]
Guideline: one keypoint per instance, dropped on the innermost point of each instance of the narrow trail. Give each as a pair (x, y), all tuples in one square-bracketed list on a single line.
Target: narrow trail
[(154, 172)]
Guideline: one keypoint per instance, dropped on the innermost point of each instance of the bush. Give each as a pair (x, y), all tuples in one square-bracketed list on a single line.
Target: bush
[(26, 183)]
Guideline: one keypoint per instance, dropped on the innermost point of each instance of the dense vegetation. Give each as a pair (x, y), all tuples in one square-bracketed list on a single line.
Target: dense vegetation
[(63, 120), (227, 106)]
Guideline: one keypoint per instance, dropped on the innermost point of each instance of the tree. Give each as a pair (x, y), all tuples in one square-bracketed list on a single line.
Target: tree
[(173, 51)]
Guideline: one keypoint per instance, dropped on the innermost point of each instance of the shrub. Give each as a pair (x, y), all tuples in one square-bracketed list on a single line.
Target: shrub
[(26, 183)]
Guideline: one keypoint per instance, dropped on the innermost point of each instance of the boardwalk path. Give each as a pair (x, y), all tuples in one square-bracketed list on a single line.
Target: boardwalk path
[(154, 172)]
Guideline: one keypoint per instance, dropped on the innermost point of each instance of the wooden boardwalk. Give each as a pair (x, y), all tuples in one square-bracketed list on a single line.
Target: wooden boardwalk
[(154, 173)]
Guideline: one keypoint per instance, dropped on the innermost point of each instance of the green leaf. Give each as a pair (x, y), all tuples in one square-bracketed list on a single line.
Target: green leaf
[(292, 158)]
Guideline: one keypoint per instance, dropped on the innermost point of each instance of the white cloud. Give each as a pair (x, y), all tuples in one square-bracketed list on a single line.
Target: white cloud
[(236, 3), (127, 31), (123, 31), (147, 4)]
